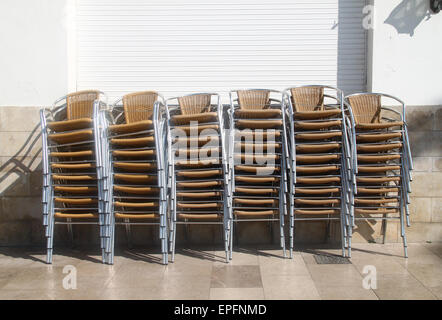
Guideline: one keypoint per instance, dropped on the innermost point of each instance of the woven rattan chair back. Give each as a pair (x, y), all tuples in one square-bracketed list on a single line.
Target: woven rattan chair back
[(195, 103), (366, 108), (307, 98), (253, 99), (138, 106), (80, 104)]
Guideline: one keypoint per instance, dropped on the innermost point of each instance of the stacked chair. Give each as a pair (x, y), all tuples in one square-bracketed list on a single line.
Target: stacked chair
[(134, 143), (320, 167), (257, 158), (198, 171), (382, 161), (72, 168)]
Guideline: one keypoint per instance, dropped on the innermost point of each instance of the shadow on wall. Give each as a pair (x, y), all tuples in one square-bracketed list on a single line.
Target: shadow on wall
[(20, 187), (408, 15)]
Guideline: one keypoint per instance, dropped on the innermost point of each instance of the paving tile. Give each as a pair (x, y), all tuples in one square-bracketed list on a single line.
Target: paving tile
[(419, 293), (236, 294), (342, 275), (346, 293), (430, 275), (289, 287), (280, 266), (231, 276)]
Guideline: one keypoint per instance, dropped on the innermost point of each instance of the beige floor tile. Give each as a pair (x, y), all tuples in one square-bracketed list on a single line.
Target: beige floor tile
[(436, 248), (279, 266), (186, 288), (418, 293), (289, 287), (339, 275), (437, 291), (236, 294), (398, 281), (346, 293), (430, 275), (382, 267), (231, 276), (26, 295), (241, 257)]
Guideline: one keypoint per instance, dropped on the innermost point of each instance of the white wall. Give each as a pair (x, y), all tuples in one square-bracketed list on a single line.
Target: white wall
[(33, 52), (407, 63)]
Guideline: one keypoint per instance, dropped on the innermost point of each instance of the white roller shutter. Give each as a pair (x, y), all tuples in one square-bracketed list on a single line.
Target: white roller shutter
[(179, 47)]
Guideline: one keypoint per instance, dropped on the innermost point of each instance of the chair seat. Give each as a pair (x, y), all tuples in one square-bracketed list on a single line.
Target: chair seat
[(250, 158), (198, 152), (199, 174), (188, 129), (201, 216), (317, 159), (197, 195), (198, 164), (316, 148), (371, 169), (131, 127), (318, 136), (317, 201), (249, 179), (208, 205), (256, 191), (256, 202), (69, 125), (258, 114), (257, 135), (380, 158), (379, 147), (316, 191), (375, 201), (377, 126), (135, 190), (133, 142), (71, 137), (132, 178), (73, 177), (255, 213), (76, 200), (76, 215), (136, 204), (316, 212), (314, 170), (258, 146), (375, 211), (377, 190), (316, 125), (204, 184), (133, 154), (376, 137), (73, 154), (377, 179), (312, 115), (76, 190), (196, 141), (135, 166), (75, 166), (119, 215), (198, 117), (317, 180), (259, 124), (267, 170)]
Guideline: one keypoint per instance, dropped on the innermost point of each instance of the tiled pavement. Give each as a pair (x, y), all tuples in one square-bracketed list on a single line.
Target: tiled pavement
[(200, 273)]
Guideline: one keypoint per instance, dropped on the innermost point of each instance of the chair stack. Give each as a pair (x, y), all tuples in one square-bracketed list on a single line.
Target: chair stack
[(383, 161), (134, 159), (320, 156), (198, 164), (257, 158), (72, 179)]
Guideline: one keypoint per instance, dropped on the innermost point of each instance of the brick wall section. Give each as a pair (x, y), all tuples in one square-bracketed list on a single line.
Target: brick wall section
[(20, 192)]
